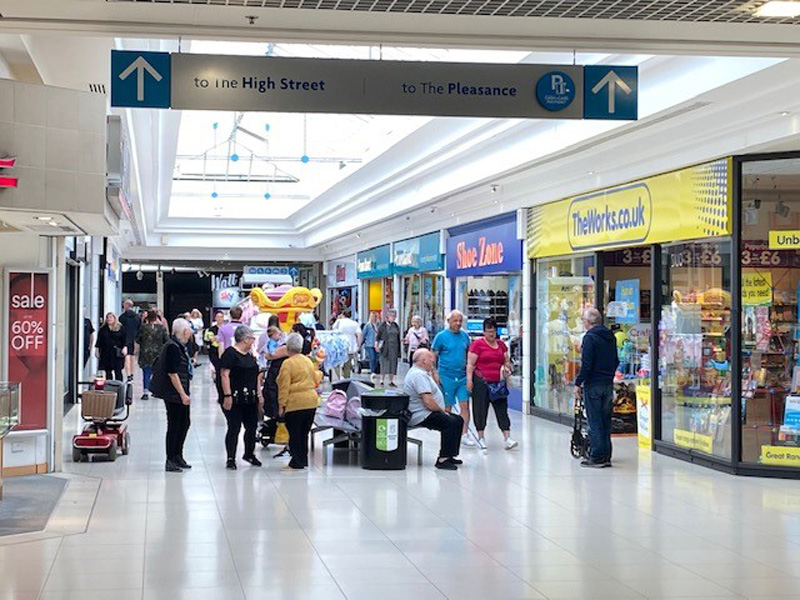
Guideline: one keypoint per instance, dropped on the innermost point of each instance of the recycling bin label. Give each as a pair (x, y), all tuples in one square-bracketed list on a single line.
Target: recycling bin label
[(387, 435)]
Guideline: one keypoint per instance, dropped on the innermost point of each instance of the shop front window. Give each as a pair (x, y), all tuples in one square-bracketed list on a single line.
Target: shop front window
[(565, 287), (694, 347), (770, 255), (433, 304), (498, 297)]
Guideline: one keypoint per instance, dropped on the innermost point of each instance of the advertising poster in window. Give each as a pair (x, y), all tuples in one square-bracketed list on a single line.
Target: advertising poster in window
[(27, 305)]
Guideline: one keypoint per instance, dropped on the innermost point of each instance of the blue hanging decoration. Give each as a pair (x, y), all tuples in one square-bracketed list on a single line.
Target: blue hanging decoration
[(304, 159), (267, 196), (215, 125), (234, 157), (214, 194), (266, 127)]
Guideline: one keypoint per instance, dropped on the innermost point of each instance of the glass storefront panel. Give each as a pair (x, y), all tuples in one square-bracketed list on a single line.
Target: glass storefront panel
[(770, 293), (498, 297), (694, 346), (565, 287), (433, 304)]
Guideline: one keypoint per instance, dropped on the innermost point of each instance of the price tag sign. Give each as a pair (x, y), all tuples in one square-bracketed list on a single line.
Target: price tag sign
[(757, 288), (27, 306)]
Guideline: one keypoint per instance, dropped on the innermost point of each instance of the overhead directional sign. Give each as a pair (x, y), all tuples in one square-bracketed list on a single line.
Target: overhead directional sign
[(271, 84), (140, 79), (611, 92)]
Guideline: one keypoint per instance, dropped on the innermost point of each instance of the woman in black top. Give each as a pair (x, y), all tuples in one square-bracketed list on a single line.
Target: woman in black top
[(112, 347), (241, 395), (210, 338)]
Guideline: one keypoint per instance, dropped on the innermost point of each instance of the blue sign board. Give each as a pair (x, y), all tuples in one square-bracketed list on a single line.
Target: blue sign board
[(141, 79), (418, 255), (375, 263), (627, 292), (555, 91), (494, 249), (610, 93)]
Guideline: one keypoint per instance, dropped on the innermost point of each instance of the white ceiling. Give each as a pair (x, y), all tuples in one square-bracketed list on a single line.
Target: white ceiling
[(653, 26), (402, 176)]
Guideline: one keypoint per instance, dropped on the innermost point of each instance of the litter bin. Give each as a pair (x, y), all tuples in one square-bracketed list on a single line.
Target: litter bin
[(384, 437)]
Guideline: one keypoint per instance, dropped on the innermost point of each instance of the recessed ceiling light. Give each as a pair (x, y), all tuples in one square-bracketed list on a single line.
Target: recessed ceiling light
[(452, 214), (779, 9), (785, 113), (53, 223), (590, 172), (44, 218)]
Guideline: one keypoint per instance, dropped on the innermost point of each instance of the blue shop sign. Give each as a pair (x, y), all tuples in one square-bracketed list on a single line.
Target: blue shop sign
[(375, 263), (418, 255), (494, 249)]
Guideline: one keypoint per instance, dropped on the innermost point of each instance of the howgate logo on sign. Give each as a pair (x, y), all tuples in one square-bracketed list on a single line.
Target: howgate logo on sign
[(613, 217), (8, 163), (555, 91)]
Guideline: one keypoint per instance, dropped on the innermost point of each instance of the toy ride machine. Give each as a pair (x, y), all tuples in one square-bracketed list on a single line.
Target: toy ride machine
[(287, 302)]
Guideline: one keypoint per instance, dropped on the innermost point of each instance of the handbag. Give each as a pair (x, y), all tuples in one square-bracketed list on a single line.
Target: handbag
[(498, 390), (118, 352)]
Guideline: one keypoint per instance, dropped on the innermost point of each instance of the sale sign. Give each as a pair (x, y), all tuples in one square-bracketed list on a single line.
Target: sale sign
[(27, 347)]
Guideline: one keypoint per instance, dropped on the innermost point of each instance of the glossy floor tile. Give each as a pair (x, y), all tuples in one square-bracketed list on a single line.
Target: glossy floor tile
[(529, 523)]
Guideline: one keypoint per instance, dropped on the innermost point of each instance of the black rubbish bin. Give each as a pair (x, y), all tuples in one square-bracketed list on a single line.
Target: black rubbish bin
[(384, 438)]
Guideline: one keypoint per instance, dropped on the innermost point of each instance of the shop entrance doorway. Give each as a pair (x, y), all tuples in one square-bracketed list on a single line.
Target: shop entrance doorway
[(627, 308)]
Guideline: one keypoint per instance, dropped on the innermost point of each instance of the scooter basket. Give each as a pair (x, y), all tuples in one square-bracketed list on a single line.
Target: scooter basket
[(97, 404)]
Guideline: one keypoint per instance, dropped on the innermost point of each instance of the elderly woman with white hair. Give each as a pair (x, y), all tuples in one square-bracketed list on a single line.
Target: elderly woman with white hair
[(179, 370), (388, 346), (241, 381), (416, 337), (298, 381)]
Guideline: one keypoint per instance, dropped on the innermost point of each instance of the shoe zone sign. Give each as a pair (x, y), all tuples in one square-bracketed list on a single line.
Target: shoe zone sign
[(257, 83)]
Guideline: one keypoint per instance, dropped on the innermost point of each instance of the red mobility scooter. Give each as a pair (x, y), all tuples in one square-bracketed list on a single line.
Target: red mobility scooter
[(105, 407)]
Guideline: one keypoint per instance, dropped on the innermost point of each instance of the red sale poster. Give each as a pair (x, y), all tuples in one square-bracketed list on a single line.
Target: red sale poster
[(28, 300)]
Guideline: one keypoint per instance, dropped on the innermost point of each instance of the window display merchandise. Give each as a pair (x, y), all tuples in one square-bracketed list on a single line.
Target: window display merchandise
[(770, 249), (418, 261), (565, 287)]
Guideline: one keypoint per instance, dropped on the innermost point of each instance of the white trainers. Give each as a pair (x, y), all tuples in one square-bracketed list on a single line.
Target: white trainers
[(466, 440), (482, 444), (511, 444)]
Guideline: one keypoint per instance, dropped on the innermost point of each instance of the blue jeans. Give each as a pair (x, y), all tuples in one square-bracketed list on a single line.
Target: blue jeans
[(599, 402), (147, 373), (372, 356)]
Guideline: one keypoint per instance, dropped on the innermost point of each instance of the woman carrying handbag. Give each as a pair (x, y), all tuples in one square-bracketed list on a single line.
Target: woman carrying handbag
[(488, 369)]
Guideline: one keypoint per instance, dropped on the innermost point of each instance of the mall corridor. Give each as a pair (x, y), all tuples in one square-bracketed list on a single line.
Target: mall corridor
[(523, 524)]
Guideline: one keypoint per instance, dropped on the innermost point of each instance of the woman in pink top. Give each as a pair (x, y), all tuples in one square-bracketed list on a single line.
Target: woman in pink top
[(488, 368)]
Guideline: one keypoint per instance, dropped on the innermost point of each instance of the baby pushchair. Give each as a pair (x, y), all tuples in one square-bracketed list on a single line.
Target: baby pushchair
[(579, 444)]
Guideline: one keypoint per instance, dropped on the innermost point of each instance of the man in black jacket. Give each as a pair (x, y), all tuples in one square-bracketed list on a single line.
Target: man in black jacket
[(178, 368), (595, 382), (132, 322)]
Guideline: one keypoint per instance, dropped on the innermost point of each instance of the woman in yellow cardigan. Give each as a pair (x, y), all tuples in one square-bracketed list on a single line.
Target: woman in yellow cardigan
[(298, 381)]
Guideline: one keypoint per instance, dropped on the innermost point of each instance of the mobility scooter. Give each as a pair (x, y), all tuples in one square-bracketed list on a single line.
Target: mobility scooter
[(105, 407)]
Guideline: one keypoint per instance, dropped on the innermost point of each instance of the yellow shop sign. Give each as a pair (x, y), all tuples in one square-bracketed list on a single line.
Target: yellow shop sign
[(694, 441), (780, 455), (784, 240), (757, 288), (692, 203)]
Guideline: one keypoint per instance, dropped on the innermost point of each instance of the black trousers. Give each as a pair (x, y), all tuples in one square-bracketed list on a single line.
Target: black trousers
[(299, 424), (238, 415), (450, 427), (112, 366), (178, 422), (480, 406)]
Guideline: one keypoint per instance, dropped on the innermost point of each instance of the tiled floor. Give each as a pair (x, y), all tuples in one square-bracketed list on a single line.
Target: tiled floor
[(509, 525)]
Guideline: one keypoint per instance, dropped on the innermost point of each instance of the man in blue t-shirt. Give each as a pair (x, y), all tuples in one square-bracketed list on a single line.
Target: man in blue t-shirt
[(451, 346)]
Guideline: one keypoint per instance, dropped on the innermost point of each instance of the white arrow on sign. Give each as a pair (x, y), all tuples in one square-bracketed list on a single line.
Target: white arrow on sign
[(612, 80), (140, 65)]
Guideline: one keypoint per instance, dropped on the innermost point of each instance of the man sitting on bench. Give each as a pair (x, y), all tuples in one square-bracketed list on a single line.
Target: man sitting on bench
[(426, 404)]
